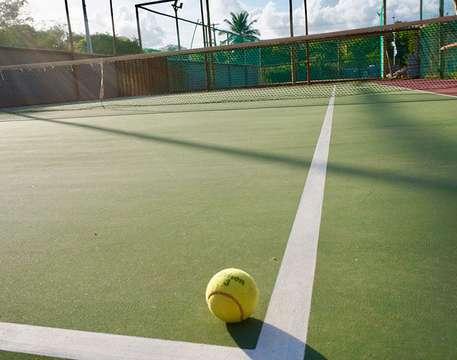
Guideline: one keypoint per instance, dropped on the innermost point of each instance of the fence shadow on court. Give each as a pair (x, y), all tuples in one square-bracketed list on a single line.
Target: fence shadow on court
[(424, 141), (246, 335), (282, 160)]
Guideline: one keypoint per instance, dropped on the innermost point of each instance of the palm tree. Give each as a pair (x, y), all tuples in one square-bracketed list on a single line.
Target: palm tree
[(241, 29)]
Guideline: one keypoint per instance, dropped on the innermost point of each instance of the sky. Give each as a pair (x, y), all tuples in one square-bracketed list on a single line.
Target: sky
[(271, 15)]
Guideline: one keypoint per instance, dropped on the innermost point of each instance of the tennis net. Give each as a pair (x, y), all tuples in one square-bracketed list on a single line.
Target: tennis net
[(398, 57)]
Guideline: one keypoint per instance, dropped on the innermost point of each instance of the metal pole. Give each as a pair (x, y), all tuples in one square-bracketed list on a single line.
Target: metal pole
[(208, 20), (421, 11), (440, 29), (112, 25), (382, 21), (291, 18), (138, 27), (203, 23), (72, 49), (86, 24), (209, 57), (306, 17), (70, 33), (384, 10), (183, 19), (193, 35), (214, 32), (175, 8), (308, 65)]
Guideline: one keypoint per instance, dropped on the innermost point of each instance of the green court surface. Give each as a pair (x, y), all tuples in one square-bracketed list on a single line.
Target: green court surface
[(115, 223), (385, 285)]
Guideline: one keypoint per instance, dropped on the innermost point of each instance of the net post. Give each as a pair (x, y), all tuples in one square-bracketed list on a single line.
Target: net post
[(293, 63), (101, 95)]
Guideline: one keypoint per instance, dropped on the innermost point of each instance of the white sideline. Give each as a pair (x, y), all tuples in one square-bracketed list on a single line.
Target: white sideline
[(283, 335), (435, 93), (290, 302)]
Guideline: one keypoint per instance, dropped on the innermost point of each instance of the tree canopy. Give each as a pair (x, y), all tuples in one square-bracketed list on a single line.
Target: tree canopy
[(242, 28), (17, 30)]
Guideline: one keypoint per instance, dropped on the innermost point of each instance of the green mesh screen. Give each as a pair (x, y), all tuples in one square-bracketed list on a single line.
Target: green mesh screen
[(436, 63)]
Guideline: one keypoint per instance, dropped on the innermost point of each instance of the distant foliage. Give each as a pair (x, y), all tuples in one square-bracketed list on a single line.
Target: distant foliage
[(25, 35), (103, 44), (10, 13), (18, 31)]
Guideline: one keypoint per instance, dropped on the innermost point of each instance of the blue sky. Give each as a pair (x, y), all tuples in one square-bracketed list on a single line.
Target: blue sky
[(271, 15)]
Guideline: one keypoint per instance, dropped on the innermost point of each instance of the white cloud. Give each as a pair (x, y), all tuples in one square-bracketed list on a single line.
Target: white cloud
[(272, 16), (220, 9), (271, 22)]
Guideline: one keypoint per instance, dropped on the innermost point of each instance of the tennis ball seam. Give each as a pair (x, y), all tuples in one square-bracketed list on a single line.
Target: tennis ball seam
[(230, 297)]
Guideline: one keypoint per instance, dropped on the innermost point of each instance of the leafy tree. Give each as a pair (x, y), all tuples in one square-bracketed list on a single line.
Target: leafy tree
[(103, 44), (10, 12), (18, 31), (242, 29), (25, 35)]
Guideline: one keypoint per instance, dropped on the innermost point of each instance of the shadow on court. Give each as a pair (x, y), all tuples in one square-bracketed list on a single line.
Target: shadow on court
[(246, 335), (283, 160), (423, 139)]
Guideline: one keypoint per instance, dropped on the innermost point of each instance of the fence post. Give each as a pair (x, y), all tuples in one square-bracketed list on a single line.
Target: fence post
[(308, 65), (293, 63)]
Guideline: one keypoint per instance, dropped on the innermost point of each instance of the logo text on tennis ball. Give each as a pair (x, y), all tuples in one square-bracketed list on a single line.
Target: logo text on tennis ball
[(234, 278), (232, 295)]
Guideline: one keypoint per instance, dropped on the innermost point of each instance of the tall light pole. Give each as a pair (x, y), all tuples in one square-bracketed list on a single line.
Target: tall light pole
[(70, 33), (112, 25), (291, 19), (86, 25), (203, 24), (138, 28), (308, 65), (176, 7), (382, 22), (421, 10), (305, 4), (208, 21)]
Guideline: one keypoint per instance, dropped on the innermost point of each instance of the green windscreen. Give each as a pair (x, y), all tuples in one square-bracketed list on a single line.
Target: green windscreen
[(403, 56)]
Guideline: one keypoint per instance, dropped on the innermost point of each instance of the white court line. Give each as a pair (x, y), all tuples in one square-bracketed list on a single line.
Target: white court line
[(290, 302), (283, 334), (435, 93)]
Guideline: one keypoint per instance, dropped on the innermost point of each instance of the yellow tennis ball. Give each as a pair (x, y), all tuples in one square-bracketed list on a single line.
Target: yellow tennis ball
[(232, 295)]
